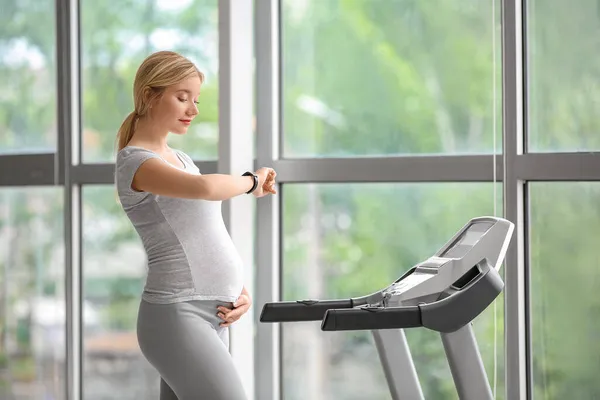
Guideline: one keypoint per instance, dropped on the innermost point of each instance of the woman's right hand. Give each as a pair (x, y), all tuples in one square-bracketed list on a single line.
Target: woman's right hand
[(266, 182)]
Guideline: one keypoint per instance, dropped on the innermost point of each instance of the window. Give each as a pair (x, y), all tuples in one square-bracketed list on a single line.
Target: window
[(345, 240), (27, 77), (114, 273), (390, 77), (563, 87), (564, 284), (32, 294), (114, 42)]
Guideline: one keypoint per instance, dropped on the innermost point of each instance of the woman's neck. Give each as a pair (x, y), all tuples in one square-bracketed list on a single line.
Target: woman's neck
[(149, 136)]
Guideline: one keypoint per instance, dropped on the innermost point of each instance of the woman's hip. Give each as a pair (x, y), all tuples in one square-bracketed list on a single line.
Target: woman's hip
[(185, 343), (177, 321)]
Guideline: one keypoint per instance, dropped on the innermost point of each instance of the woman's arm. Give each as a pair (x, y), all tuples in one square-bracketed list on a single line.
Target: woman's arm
[(157, 177)]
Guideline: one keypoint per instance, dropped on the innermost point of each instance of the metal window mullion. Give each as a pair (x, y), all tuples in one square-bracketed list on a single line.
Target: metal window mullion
[(73, 253), (516, 349), (36, 169), (451, 168), (268, 349), (27, 169), (522, 155), (235, 140), (67, 50), (558, 166)]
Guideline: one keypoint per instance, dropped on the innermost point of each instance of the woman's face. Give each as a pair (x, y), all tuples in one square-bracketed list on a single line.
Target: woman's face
[(176, 108)]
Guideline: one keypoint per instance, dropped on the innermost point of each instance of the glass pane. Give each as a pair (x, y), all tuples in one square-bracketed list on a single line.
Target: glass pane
[(390, 77), (343, 240), (565, 282), (32, 294), (27, 77), (563, 75), (114, 272), (115, 40)]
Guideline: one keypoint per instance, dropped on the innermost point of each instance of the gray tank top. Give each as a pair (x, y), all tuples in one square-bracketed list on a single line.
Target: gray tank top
[(190, 254)]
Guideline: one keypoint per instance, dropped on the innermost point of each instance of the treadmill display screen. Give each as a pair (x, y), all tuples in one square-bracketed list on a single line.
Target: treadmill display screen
[(467, 240)]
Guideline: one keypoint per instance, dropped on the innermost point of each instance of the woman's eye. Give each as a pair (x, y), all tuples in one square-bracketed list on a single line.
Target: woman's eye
[(182, 100)]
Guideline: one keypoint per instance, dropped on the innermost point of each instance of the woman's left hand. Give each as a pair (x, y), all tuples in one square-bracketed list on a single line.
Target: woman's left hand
[(240, 307), (269, 185)]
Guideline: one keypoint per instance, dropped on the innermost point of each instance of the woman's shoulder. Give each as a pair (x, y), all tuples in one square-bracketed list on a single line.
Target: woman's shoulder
[(130, 151), (132, 156), (133, 149)]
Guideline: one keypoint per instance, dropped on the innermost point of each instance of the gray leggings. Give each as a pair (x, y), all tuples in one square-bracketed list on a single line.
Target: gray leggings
[(189, 349)]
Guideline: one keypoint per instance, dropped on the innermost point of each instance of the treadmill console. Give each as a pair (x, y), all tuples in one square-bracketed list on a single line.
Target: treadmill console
[(412, 280), (469, 238), (481, 239), (444, 291)]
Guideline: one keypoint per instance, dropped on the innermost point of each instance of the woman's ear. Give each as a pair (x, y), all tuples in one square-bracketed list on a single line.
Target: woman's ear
[(151, 97), (148, 95)]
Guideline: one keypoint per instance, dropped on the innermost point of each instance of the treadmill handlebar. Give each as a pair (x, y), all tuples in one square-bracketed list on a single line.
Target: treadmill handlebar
[(454, 309), (372, 318), (447, 314), (459, 308), (301, 310)]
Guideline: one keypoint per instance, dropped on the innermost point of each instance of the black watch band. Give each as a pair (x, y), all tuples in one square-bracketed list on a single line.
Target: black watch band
[(255, 185)]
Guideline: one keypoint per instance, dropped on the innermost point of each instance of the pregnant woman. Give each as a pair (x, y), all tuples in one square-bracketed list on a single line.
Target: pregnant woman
[(194, 289)]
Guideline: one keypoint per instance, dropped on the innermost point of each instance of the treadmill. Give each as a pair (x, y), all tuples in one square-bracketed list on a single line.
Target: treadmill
[(444, 293)]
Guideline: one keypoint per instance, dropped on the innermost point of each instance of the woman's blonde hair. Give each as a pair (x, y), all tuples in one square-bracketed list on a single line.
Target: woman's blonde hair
[(155, 74)]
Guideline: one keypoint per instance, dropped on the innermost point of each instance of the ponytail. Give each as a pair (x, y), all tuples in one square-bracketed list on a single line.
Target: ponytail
[(126, 130)]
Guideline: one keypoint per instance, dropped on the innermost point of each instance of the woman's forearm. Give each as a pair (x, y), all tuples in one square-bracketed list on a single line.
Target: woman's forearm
[(224, 187)]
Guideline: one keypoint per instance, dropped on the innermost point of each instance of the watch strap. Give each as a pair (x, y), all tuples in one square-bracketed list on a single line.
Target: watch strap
[(255, 185)]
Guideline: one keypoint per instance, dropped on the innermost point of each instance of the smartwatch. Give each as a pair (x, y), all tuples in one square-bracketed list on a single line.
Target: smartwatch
[(248, 173)]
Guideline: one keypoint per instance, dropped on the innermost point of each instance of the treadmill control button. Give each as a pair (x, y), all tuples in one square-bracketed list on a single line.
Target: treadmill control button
[(373, 308), (307, 302)]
